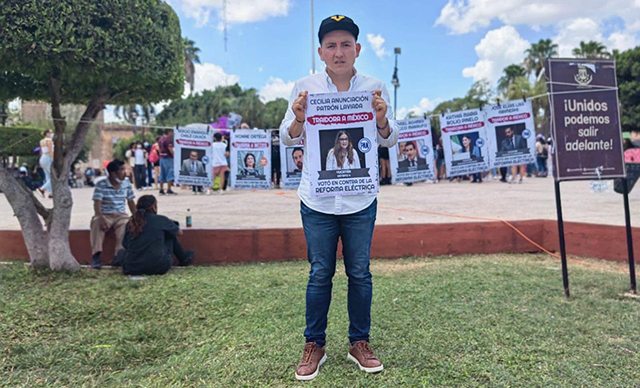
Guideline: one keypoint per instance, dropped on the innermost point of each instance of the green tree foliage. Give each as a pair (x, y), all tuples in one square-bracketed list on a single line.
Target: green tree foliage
[(207, 106), (19, 141), (628, 72), (130, 46), (536, 55), (274, 112), (81, 52), (123, 145), (591, 50)]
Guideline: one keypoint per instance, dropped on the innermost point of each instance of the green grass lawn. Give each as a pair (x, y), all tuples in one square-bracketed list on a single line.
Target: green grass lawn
[(494, 320)]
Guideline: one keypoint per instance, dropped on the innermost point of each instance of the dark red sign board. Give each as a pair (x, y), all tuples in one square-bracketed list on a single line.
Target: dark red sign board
[(585, 123)]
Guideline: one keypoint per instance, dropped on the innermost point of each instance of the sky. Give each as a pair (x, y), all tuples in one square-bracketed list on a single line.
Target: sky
[(446, 45)]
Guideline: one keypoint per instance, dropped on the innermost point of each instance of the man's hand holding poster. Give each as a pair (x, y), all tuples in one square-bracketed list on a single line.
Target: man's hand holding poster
[(511, 133), (342, 144), (250, 159), (412, 158), (464, 139)]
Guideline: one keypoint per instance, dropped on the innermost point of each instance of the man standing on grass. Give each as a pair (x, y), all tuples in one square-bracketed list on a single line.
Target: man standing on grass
[(349, 218)]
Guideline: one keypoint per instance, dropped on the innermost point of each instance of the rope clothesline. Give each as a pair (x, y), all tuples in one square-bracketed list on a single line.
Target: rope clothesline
[(430, 116)]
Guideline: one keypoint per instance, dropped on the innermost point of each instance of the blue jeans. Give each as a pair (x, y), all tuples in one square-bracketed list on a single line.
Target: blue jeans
[(321, 232)]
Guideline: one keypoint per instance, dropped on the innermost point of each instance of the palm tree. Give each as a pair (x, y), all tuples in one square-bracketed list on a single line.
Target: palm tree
[(536, 55), (591, 50), (511, 73), (190, 57), (131, 112)]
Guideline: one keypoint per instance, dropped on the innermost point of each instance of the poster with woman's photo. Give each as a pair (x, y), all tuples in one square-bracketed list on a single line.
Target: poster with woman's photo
[(291, 163), (192, 156), (412, 159), (511, 133), (342, 144), (250, 159), (464, 139)]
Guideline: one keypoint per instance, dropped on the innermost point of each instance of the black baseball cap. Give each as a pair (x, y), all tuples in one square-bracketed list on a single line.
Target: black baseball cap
[(335, 23)]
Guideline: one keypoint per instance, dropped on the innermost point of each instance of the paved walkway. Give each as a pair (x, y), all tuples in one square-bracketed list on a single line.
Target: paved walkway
[(534, 199)]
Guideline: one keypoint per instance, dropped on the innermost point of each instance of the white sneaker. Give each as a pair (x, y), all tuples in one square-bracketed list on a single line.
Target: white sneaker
[(220, 192), (208, 191)]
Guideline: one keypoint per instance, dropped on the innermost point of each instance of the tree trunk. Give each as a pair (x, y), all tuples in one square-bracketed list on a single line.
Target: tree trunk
[(60, 256), (35, 238)]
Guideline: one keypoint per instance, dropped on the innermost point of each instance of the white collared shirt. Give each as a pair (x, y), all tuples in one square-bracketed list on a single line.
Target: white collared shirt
[(321, 83)]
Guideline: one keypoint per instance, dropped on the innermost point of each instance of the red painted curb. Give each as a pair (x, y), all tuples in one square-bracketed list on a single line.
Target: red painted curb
[(213, 246)]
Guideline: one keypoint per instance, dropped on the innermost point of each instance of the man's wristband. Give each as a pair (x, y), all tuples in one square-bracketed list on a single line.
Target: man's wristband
[(383, 128), (300, 121)]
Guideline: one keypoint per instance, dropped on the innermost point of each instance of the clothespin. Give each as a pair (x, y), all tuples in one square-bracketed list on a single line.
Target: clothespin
[(524, 99), (208, 127), (499, 106), (425, 116), (481, 106)]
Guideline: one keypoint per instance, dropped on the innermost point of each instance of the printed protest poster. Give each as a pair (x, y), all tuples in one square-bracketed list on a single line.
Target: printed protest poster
[(250, 159), (511, 133), (291, 163), (192, 151), (342, 144), (585, 119), (412, 159), (464, 140)]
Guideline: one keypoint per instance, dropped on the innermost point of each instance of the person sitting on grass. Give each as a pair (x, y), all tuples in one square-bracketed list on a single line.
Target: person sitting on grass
[(151, 241)]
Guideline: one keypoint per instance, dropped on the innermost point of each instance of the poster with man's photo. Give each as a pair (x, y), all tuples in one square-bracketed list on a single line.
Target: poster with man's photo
[(464, 140), (291, 163), (412, 158), (250, 159), (511, 133), (192, 156), (342, 144)]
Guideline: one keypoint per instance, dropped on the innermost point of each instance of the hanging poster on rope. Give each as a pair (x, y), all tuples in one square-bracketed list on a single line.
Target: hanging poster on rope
[(464, 139), (585, 119), (291, 163), (342, 144), (412, 158), (511, 133), (192, 151), (250, 159)]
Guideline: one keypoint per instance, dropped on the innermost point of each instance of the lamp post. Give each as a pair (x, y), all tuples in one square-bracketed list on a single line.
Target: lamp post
[(395, 82)]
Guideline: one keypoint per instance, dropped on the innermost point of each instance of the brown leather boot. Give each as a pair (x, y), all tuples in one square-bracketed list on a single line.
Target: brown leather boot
[(312, 358), (360, 353)]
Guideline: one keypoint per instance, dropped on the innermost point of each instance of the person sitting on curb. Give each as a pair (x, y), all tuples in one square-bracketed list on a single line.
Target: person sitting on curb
[(151, 241), (110, 198)]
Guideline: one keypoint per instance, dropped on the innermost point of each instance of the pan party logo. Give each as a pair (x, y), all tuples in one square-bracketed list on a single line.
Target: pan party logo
[(583, 77), (337, 18)]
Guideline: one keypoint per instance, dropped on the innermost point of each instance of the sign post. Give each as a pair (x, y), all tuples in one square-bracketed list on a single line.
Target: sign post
[(583, 97)]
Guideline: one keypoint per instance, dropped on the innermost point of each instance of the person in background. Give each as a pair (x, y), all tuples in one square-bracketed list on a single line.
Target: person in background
[(131, 162), (111, 197), (140, 167), (219, 162), (151, 241), (154, 158), (385, 165), (542, 153), (275, 159), (89, 175), (46, 160), (165, 146)]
